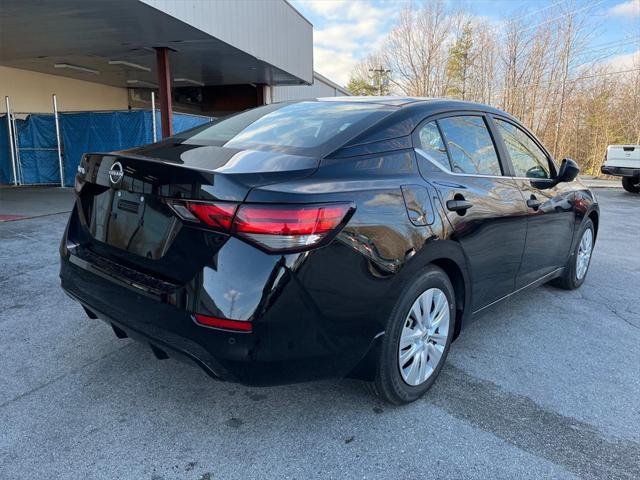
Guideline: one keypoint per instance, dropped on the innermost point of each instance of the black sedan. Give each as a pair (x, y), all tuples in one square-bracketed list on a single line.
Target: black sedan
[(325, 238)]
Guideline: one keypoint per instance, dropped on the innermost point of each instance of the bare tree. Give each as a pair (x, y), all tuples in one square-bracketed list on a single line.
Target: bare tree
[(415, 49), (537, 66)]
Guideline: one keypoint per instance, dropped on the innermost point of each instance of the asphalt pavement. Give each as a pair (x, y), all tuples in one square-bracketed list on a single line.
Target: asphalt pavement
[(546, 385), (27, 202)]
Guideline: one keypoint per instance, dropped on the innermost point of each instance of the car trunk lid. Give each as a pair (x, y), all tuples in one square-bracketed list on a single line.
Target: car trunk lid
[(124, 197)]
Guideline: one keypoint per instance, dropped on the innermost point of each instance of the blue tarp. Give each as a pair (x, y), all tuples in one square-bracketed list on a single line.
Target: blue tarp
[(99, 132), (38, 150), (6, 175), (80, 133)]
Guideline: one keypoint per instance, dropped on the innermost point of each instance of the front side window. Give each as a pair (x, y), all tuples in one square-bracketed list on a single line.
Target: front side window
[(432, 145), (527, 158), (470, 145)]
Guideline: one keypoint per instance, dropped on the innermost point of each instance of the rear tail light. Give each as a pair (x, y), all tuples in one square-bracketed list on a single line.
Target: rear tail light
[(290, 227), (272, 227)]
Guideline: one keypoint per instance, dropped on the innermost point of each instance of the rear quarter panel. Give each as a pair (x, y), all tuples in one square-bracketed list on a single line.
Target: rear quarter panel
[(357, 278)]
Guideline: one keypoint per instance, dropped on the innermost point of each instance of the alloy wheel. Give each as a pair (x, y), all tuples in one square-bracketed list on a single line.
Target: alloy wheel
[(584, 254), (424, 336)]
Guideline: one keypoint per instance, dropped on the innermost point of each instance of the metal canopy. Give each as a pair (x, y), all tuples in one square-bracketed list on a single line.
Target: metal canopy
[(82, 37)]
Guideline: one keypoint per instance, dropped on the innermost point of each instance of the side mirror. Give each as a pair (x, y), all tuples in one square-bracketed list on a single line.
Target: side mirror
[(568, 172)]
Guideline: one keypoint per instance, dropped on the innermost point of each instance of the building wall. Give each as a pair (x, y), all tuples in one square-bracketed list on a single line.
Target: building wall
[(321, 87), (272, 31), (30, 92)]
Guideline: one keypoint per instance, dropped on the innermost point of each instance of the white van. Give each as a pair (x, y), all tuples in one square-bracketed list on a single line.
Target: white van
[(624, 161)]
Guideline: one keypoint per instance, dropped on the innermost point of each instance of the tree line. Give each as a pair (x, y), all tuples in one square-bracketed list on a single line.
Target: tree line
[(542, 67)]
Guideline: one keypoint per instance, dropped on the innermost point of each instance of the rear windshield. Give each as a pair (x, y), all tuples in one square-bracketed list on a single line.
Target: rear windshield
[(305, 128)]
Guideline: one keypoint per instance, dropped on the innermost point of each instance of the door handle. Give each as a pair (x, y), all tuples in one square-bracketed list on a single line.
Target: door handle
[(458, 205), (533, 202)]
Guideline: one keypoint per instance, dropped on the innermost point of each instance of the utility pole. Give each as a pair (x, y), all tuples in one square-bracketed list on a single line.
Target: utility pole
[(378, 73)]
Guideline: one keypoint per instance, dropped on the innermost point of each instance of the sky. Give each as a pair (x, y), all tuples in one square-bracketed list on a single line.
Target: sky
[(346, 31)]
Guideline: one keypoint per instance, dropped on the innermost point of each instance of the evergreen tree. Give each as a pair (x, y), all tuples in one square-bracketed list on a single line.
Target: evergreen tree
[(458, 63), (360, 86)]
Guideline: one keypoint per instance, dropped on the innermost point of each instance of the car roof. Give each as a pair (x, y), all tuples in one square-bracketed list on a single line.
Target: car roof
[(423, 103), (391, 100), (408, 113)]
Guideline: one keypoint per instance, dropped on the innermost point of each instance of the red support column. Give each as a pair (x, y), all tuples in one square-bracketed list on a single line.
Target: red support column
[(164, 81)]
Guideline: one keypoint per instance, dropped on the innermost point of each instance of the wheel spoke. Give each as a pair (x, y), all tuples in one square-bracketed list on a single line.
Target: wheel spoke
[(438, 338), (423, 366), (437, 321), (425, 300), (412, 374), (416, 314), (409, 337), (440, 301), (435, 352), (407, 355)]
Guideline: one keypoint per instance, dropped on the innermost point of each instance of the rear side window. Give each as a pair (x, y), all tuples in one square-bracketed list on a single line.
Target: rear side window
[(527, 158), (432, 145), (470, 145)]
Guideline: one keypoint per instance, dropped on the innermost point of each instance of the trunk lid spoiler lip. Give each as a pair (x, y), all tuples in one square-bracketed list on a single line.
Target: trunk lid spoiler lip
[(231, 181), (230, 161)]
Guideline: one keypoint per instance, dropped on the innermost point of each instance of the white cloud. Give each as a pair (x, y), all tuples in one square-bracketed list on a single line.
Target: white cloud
[(340, 10), (334, 65), (347, 32), (326, 8), (626, 61), (630, 8), (347, 36)]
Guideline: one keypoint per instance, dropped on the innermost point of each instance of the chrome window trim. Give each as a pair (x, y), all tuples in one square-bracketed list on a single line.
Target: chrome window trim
[(424, 155)]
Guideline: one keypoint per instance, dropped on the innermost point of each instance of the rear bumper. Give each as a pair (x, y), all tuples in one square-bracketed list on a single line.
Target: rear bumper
[(291, 340), (620, 171), (162, 343)]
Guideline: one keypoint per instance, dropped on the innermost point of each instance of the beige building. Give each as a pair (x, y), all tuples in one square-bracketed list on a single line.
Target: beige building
[(31, 92)]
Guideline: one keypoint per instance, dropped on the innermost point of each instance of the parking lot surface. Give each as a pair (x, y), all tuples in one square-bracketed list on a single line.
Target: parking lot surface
[(544, 385)]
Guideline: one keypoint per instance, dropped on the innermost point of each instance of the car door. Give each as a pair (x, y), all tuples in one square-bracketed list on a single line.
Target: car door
[(550, 206), (486, 211)]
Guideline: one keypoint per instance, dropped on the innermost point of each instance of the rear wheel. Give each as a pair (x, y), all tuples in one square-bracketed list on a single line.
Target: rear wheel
[(631, 184), (417, 338), (576, 269)]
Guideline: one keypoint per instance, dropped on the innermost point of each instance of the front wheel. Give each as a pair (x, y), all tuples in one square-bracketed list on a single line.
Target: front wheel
[(576, 269), (631, 184), (417, 338)]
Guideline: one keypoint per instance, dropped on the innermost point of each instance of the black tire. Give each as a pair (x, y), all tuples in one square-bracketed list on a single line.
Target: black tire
[(631, 184), (569, 279), (389, 384)]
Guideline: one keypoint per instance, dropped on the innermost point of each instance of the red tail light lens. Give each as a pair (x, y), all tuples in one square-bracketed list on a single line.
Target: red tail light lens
[(219, 215), (289, 220), (223, 323), (273, 227), (290, 227)]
